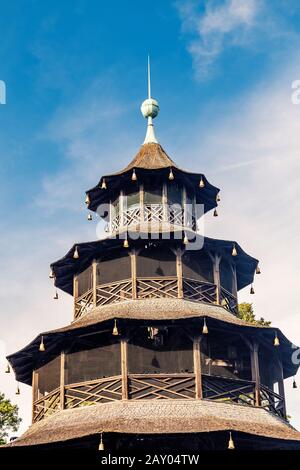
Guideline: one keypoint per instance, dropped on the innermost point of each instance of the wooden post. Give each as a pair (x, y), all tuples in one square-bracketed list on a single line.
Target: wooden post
[(75, 292), (121, 209), (133, 273), (281, 386), (62, 380), (216, 270), (197, 367), (124, 369), (35, 377), (179, 273), (142, 216), (184, 202), (94, 283), (165, 202), (255, 372)]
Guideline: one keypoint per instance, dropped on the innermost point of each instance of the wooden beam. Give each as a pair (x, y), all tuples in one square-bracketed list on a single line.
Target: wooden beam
[(133, 273), (142, 203), (179, 273), (94, 271), (62, 380), (216, 271), (255, 371), (75, 292), (281, 385), (197, 366), (35, 377), (124, 369)]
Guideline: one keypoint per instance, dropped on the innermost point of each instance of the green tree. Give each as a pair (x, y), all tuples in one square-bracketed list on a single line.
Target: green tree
[(9, 418), (246, 312)]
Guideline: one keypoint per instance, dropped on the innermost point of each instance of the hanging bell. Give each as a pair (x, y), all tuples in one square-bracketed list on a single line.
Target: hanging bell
[(7, 370), (125, 243), (252, 290), (103, 184), (185, 240), (276, 340), (216, 213), (234, 251), (51, 274), (42, 345), (76, 254), (133, 176), (258, 271), (18, 392), (87, 200), (171, 175), (201, 183), (55, 297), (115, 330), (218, 199), (231, 445), (101, 445), (294, 383), (90, 217), (205, 328)]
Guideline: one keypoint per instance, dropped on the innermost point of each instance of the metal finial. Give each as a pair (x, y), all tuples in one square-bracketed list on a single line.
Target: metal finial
[(150, 110), (149, 78)]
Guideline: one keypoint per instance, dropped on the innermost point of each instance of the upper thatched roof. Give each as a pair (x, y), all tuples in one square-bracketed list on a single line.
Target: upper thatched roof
[(151, 157), (156, 417)]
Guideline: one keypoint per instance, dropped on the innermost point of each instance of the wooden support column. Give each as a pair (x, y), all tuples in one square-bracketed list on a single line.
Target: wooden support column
[(94, 283), (255, 372), (75, 292), (197, 366), (281, 386), (165, 202), (124, 369), (35, 377), (133, 273), (62, 380), (142, 203), (179, 273), (216, 271)]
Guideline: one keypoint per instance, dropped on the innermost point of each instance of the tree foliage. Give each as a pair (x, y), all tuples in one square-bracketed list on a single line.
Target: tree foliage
[(9, 418), (246, 312)]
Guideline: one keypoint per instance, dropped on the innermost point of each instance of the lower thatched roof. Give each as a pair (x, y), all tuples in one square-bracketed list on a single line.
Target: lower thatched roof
[(156, 417)]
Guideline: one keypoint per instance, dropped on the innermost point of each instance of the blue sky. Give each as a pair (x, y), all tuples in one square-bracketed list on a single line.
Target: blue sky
[(75, 73)]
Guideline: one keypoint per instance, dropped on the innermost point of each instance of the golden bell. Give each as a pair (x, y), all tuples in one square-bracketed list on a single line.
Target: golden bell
[(101, 445), (234, 251), (294, 383), (51, 274), (258, 271), (276, 341), (103, 184), (125, 243), (171, 175), (115, 330), (18, 392), (7, 370), (89, 217), (87, 199), (55, 297), (134, 177), (201, 183), (230, 442), (218, 199), (76, 254), (205, 328), (252, 290), (185, 240), (42, 345), (216, 213)]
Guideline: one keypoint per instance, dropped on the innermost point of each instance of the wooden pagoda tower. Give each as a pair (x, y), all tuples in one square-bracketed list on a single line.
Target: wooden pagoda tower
[(156, 357)]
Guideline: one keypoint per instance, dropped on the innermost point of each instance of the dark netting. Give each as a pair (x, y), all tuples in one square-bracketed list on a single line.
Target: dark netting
[(132, 199), (49, 376), (226, 276), (157, 262), (163, 350), (269, 370), (90, 360), (152, 194), (225, 357), (85, 280), (197, 265), (174, 192), (113, 269)]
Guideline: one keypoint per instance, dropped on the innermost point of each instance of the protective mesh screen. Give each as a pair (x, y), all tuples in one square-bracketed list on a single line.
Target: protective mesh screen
[(197, 266), (167, 351), (174, 192), (157, 262), (132, 199), (85, 280), (269, 370), (226, 276), (225, 357), (113, 269), (49, 376), (152, 194), (92, 362)]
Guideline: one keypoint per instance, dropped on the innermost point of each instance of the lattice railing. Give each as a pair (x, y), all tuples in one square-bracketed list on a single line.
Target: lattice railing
[(92, 392), (228, 390), (84, 303), (114, 292), (199, 291), (131, 216), (161, 386), (46, 405), (228, 301), (157, 287), (271, 401)]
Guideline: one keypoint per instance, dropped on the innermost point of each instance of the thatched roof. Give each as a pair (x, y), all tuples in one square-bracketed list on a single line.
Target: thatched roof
[(146, 311), (152, 161), (156, 417)]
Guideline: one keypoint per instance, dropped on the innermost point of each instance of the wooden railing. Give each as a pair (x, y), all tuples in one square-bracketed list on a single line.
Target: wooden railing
[(228, 301), (180, 386)]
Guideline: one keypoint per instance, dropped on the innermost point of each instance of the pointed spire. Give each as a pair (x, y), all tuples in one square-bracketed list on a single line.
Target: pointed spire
[(150, 110)]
